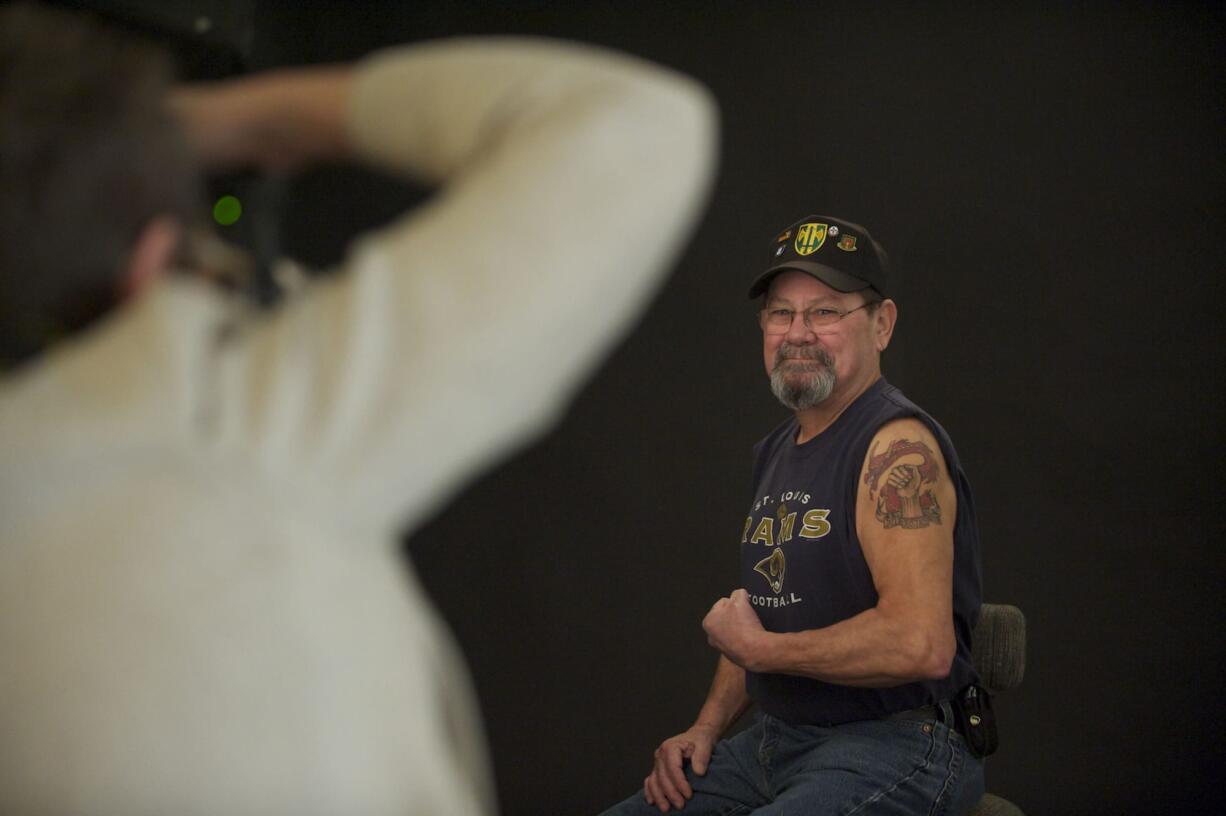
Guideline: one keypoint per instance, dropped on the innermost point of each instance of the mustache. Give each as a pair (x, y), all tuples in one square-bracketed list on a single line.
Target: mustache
[(787, 351)]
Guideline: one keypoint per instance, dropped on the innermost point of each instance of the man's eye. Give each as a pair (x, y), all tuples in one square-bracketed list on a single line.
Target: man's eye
[(782, 313), (822, 312)]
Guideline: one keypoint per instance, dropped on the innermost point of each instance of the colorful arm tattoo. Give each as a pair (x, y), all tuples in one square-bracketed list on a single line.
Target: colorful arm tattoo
[(906, 499)]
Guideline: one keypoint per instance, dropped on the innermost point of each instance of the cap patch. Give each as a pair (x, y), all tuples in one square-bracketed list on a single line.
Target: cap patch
[(848, 243), (809, 238)]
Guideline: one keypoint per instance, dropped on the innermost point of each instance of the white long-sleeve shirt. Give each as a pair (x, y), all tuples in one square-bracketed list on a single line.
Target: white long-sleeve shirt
[(202, 606)]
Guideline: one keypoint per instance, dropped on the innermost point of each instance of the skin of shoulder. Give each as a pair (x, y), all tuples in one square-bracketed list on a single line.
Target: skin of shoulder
[(906, 506)]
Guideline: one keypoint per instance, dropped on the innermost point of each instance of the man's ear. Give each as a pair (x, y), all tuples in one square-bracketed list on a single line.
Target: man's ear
[(883, 327), (150, 256)]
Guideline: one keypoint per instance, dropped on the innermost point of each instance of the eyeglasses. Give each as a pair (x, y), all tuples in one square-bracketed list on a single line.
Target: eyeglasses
[(779, 320)]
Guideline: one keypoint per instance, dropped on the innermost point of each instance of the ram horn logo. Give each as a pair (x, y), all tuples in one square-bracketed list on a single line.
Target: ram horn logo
[(772, 568)]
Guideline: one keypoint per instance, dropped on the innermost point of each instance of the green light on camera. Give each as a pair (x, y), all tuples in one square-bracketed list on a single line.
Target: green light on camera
[(227, 210)]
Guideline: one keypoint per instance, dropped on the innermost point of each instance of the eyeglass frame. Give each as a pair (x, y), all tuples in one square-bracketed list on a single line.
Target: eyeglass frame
[(806, 317)]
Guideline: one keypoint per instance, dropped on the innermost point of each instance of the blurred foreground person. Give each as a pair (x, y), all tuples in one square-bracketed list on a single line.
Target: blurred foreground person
[(860, 576), (202, 604)]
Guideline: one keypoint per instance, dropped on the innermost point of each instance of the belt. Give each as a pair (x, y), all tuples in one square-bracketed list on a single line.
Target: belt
[(942, 712)]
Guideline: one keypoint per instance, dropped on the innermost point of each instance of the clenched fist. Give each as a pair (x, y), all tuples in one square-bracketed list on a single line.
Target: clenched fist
[(732, 626)]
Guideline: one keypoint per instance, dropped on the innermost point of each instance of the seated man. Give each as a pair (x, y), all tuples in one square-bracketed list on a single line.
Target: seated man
[(860, 574), (203, 609)]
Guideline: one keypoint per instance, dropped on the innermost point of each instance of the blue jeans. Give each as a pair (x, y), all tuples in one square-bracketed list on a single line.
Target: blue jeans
[(897, 766)]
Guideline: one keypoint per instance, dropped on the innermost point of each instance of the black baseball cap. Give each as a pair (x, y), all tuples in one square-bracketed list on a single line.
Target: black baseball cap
[(838, 253)]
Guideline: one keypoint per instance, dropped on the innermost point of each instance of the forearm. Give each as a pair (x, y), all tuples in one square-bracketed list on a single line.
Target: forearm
[(567, 178), (872, 649), (727, 698), (278, 121)]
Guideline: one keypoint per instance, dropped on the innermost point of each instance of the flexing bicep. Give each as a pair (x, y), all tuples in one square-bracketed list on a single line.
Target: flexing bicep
[(905, 511)]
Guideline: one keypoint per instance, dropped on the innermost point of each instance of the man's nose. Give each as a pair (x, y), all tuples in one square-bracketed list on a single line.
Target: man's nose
[(799, 332)]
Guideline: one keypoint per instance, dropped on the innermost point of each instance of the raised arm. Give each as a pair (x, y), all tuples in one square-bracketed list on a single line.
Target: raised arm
[(568, 179), (905, 511)]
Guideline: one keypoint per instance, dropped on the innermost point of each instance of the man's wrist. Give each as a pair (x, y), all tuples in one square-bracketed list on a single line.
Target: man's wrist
[(764, 655)]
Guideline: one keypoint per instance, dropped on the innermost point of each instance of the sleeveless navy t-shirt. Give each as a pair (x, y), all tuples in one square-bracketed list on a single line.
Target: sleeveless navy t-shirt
[(803, 568)]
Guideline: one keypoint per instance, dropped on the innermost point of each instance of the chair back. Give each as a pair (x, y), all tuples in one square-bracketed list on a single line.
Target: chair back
[(999, 653), (999, 647)]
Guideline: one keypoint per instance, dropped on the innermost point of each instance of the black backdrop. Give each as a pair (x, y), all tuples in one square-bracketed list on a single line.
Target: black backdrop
[(1049, 181)]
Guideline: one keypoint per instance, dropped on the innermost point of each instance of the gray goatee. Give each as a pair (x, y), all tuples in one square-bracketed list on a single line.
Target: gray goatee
[(803, 376)]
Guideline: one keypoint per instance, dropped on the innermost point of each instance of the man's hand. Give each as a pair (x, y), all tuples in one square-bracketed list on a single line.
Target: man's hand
[(732, 626), (666, 786)]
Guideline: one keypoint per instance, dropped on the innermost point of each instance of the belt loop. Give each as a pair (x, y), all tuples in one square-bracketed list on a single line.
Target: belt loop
[(945, 712)]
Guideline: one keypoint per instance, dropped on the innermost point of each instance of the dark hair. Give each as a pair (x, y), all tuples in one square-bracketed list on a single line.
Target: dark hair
[(89, 155)]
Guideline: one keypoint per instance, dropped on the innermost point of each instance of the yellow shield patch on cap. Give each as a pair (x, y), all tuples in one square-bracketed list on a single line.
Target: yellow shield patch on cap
[(809, 238)]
